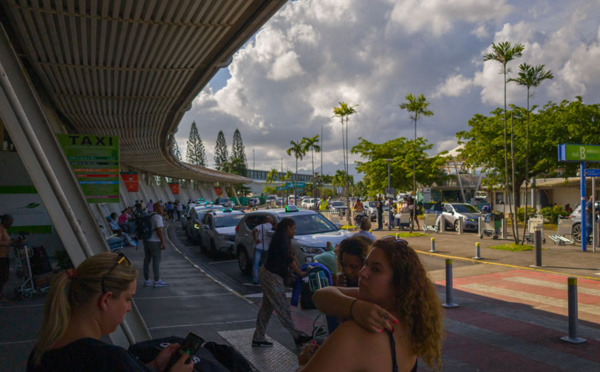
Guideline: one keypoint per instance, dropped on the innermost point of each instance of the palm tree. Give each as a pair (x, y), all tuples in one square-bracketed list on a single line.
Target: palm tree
[(344, 112), (299, 151), (503, 53), (311, 144), (529, 76), (418, 107)]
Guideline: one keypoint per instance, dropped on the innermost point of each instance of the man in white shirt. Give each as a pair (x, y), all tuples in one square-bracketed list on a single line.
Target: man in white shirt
[(261, 238), (153, 248)]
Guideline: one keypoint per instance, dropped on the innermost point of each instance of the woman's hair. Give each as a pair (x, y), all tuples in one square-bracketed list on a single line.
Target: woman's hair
[(281, 232), (365, 223), (358, 246), (416, 301), (6, 218), (67, 294)]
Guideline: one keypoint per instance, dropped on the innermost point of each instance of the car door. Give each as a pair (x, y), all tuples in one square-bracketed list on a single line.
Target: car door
[(449, 215), (205, 230)]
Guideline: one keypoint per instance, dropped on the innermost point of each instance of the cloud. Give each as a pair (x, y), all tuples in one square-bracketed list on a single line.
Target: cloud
[(314, 54)]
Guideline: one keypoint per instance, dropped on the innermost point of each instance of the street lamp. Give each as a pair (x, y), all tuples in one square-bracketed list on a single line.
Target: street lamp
[(389, 191)]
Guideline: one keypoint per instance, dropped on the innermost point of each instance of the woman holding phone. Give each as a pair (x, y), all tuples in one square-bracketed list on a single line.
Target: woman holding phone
[(83, 305)]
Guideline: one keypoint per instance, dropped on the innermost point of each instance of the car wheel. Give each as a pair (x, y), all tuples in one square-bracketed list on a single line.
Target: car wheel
[(576, 232), (456, 225), (244, 260)]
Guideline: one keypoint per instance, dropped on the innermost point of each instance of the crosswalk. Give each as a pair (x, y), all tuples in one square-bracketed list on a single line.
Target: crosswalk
[(516, 318)]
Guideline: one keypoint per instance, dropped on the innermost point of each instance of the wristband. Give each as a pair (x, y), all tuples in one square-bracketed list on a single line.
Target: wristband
[(352, 307)]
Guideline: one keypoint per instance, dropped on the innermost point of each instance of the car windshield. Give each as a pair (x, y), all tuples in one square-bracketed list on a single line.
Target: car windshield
[(371, 204), (226, 220), (465, 208), (337, 204), (307, 224)]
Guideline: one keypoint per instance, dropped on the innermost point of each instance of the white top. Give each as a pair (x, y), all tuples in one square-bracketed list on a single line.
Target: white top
[(262, 234), (157, 222)]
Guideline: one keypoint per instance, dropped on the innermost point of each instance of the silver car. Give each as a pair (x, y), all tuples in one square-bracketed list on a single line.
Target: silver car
[(217, 233), (194, 220), (313, 231), (452, 212)]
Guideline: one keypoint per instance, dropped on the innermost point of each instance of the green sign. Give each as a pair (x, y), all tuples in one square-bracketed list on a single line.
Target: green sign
[(95, 163), (299, 185), (579, 153), (281, 188)]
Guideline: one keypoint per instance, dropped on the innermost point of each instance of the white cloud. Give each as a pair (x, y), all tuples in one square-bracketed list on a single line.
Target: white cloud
[(315, 53)]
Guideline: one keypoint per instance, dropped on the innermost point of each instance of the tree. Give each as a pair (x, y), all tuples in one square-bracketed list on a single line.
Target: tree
[(311, 144), (271, 177), (529, 76), (554, 124), (427, 172), (341, 178), (299, 151), (503, 53), (238, 152), (176, 150), (221, 155), (417, 107), (343, 112), (195, 148)]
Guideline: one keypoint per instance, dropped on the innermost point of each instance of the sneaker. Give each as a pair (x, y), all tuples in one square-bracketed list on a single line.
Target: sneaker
[(147, 283), (302, 339), (261, 344), (159, 283)]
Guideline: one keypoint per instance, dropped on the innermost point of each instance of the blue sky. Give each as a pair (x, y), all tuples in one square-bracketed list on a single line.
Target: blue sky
[(312, 54)]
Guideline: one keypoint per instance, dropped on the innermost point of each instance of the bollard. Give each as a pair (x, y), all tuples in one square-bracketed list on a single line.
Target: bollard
[(449, 301), (442, 223), (572, 337), (477, 252), (432, 245), (480, 227), (503, 228), (538, 247), (459, 231)]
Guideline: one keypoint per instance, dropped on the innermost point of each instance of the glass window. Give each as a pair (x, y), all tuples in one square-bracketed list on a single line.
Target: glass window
[(307, 224)]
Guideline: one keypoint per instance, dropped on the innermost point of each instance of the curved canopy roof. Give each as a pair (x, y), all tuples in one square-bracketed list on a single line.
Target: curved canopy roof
[(131, 68)]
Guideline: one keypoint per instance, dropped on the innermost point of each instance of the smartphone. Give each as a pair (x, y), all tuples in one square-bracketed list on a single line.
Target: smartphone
[(189, 346)]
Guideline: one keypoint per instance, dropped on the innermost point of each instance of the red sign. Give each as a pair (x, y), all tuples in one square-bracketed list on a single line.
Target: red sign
[(130, 179), (218, 191), (174, 188)]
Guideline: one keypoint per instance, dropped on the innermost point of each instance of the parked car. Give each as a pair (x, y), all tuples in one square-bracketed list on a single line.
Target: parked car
[(338, 206), (452, 211), (271, 201), (223, 202), (575, 217), (313, 231), (308, 203), (194, 220), (217, 233)]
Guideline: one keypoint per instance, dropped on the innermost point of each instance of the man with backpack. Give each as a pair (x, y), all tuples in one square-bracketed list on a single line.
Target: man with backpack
[(154, 244)]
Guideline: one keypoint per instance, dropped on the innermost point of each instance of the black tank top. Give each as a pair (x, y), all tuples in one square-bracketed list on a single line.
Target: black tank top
[(394, 363)]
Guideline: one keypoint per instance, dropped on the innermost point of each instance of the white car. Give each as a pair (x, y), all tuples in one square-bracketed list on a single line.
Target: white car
[(371, 209)]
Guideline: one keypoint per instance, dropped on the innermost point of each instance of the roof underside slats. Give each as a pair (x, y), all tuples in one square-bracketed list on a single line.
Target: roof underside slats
[(130, 68)]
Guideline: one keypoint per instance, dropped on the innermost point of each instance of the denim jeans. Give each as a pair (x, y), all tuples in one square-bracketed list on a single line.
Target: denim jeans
[(257, 255), (152, 252)]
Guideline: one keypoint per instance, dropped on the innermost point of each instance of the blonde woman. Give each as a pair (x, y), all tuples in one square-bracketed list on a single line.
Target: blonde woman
[(395, 317), (83, 305)]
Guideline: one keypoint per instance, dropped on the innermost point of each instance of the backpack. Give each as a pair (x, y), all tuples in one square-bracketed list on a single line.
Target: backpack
[(318, 277), (143, 226)]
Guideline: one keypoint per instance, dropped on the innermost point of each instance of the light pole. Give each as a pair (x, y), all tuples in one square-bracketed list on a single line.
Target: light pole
[(388, 191)]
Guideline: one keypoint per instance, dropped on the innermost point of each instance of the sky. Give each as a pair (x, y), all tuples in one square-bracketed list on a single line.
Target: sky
[(312, 54)]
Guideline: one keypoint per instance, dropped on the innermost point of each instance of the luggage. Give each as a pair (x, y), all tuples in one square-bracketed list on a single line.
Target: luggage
[(318, 277)]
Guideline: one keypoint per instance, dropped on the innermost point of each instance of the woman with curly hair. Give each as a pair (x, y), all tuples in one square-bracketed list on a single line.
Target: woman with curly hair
[(395, 317)]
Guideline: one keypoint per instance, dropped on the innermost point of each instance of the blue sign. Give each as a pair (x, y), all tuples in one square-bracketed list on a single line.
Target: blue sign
[(592, 172)]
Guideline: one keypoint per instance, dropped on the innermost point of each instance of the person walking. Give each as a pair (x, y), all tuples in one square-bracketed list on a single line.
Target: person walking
[(153, 248), (279, 259), (379, 208), (261, 238)]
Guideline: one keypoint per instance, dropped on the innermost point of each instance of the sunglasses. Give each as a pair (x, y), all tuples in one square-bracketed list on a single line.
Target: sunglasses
[(121, 258), (390, 238)]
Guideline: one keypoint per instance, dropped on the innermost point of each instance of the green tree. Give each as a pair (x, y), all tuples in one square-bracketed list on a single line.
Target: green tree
[(503, 53), (221, 154), (238, 152), (176, 150), (312, 144), (298, 149), (374, 168), (341, 178), (529, 76), (418, 108), (272, 176), (344, 111), (195, 148)]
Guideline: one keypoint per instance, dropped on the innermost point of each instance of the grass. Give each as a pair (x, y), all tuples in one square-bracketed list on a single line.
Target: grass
[(513, 247), (409, 234)]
